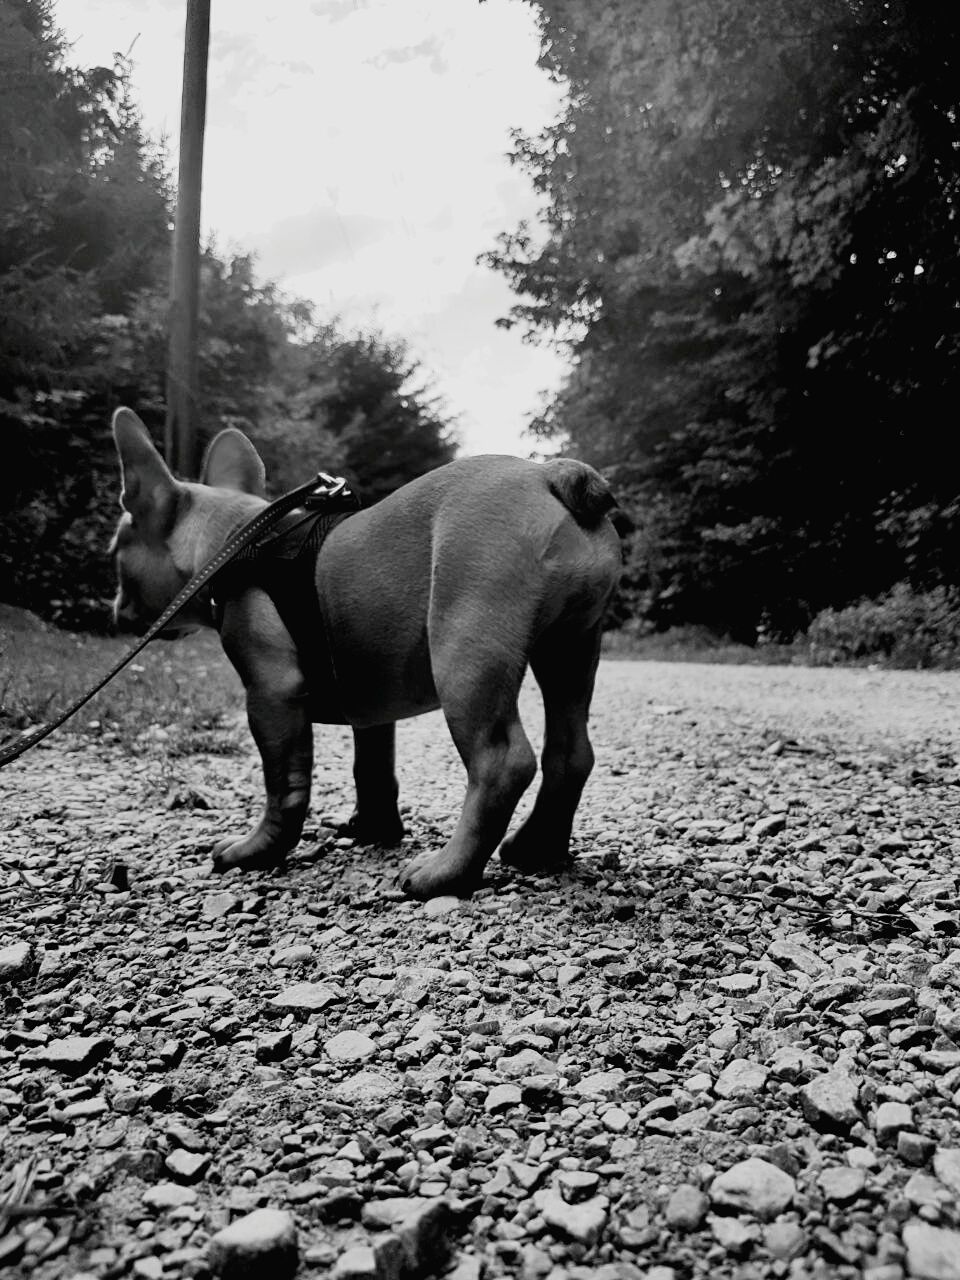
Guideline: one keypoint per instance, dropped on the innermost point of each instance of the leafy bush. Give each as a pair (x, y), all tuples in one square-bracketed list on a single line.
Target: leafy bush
[(903, 628)]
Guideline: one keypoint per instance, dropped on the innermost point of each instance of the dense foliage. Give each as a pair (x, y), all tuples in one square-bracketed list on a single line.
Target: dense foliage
[(752, 250), (84, 249)]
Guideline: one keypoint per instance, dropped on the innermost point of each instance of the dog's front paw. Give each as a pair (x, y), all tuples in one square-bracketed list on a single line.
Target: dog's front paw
[(250, 854), (439, 875)]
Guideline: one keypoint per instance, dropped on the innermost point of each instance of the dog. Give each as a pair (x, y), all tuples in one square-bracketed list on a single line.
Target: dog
[(438, 596)]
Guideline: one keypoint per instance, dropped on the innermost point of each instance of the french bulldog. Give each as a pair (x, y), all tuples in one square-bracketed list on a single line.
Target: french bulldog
[(438, 596)]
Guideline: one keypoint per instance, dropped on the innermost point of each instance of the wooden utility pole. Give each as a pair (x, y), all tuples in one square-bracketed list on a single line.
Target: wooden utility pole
[(180, 437)]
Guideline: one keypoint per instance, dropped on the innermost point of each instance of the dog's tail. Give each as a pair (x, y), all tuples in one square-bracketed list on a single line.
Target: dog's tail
[(585, 494)]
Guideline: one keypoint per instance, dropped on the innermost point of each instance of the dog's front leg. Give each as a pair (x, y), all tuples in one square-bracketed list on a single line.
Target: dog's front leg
[(278, 712)]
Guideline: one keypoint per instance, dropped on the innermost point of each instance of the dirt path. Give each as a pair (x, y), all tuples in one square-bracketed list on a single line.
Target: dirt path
[(725, 1043)]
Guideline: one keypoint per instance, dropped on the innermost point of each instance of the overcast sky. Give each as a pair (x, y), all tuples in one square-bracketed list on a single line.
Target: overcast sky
[(358, 148)]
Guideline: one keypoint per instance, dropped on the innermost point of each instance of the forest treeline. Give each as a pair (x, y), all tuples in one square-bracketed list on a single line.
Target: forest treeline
[(751, 252), (85, 227)]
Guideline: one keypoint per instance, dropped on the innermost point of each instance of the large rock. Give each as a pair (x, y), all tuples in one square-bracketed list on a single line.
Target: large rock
[(260, 1246), (753, 1186)]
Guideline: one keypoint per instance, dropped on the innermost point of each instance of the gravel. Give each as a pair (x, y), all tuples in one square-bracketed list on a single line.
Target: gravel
[(725, 1042)]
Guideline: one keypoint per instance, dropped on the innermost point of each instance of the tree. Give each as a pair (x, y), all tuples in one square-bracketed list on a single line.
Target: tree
[(752, 253)]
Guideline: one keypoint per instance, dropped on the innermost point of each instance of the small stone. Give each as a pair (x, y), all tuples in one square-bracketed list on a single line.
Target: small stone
[(791, 955), (273, 1047), (601, 1084), (891, 1117), (829, 1101), (187, 1166), (502, 1096), (732, 1234), (741, 1078), (357, 1263), (218, 905), (768, 826), (615, 1120), (525, 1063), (289, 957), (946, 1165), (73, 1055), (932, 1253), (785, 1240), (17, 961), (569, 973), (445, 905), (308, 996), (350, 1046), (168, 1195), (753, 1185), (365, 1087), (842, 1184), (261, 1244), (687, 1208), (576, 1185), (914, 1148), (581, 1222), (921, 1190), (739, 984)]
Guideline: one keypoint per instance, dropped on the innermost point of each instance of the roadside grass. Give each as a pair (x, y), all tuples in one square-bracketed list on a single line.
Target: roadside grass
[(697, 644), (183, 694)]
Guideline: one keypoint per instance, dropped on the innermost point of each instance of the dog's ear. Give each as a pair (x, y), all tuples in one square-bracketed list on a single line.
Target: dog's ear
[(148, 485), (233, 463)]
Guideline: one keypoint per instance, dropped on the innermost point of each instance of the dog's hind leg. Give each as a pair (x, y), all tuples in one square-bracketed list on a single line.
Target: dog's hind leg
[(565, 667), (478, 692), (376, 819)]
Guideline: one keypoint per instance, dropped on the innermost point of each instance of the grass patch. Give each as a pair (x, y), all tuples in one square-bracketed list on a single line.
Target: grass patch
[(698, 644), (183, 694)]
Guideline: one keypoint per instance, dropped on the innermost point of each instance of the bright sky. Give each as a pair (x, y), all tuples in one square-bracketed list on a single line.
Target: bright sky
[(358, 148)]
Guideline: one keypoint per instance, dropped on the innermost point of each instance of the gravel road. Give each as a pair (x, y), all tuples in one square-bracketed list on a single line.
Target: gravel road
[(724, 1043)]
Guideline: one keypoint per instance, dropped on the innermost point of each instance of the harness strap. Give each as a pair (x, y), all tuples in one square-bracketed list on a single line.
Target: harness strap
[(323, 492)]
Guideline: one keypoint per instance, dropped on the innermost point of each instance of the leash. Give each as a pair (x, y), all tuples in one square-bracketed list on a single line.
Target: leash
[(322, 491)]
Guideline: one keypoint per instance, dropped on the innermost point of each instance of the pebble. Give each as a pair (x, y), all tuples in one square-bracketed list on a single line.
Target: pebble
[(260, 1245), (17, 961), (576, 1185), (842, 1184), (687, 1208), (741, 1078), (891, 1117), (753, 1185), (349, 1046), (581, 1222), (502, 1096), (308, 996), (74, 1055), (829, 1101), (946, 1165)]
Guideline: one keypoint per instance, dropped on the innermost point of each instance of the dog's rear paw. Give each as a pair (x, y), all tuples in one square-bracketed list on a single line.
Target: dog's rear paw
[(386, 830), (529, 854)]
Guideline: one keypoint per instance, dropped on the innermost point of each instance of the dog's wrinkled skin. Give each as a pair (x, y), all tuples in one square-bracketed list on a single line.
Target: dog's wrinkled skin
[(439, 596)]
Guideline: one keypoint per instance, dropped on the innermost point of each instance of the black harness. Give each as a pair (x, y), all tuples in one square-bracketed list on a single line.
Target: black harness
[(283, 564)]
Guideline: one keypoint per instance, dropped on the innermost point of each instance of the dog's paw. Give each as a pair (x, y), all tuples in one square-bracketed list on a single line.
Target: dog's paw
[(528, 854), (387, 831), (248, 855), (439, 875)]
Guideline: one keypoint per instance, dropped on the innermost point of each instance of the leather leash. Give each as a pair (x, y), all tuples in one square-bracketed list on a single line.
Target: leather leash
[(322, 490)]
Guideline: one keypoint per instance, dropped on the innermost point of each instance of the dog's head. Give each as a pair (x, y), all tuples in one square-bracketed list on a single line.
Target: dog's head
[(170, 527)]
